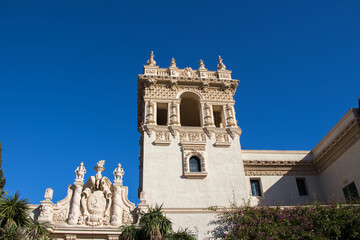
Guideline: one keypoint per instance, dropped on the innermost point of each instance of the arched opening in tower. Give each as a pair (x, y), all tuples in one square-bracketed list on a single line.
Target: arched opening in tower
[(190, 110)]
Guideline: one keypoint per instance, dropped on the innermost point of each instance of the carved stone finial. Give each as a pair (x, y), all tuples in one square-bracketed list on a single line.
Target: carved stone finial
[(201, 64), (118, 173), (221, 65), (173, 63), (80, 172), (99, 169), (151, 61), (48, 194)]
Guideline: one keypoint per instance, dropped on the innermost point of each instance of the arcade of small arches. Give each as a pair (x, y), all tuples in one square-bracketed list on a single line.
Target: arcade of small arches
[(191, 111)]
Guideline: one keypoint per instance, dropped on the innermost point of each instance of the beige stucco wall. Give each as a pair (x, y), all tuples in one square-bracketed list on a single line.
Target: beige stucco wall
[(344, 170), (282, 190), (198, 223), (164, 183)]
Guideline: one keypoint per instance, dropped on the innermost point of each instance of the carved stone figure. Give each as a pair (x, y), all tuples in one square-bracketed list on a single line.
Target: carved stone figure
[(118, 172), (48, 194), (80, 171), (201, 64)]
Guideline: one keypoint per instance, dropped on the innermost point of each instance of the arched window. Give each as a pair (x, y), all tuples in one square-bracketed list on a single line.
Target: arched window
[(195, 165), (189, 110)]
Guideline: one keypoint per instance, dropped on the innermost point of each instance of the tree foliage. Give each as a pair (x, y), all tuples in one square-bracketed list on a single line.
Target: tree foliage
[(15, 222), (2, 179), (333, 221), (154, 225), (181, 234), (13, 210)]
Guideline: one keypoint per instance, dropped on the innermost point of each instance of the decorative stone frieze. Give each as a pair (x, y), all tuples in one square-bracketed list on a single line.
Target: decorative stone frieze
[(162, 138), (279, 168), (192, 137)]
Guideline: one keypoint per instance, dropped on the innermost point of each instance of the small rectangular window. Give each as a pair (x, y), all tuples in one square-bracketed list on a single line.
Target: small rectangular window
[(300, 182), (161, 114), (218, 116), (351, 193), (255, 187)]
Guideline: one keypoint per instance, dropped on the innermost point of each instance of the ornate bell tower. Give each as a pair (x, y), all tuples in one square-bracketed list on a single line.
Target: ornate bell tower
[(190, 155)]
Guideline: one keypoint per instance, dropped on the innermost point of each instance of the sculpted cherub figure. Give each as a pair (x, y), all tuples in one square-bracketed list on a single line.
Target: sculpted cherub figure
[(118, 172), (80, 171)]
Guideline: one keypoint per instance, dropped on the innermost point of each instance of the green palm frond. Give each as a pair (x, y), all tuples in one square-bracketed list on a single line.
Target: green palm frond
[(11, 232), (13, 210), (154, 224), (37, 230), (181, 234), (129, 233)]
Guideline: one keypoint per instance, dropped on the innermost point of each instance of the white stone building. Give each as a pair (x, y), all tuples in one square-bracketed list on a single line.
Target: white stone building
[(191, 159)]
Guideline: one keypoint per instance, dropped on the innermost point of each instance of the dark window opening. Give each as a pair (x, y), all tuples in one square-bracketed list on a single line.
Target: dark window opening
[(255, 187), (189, 110), (300, 182), (350, 192), (195, 165), (161, 114), (218, 116)]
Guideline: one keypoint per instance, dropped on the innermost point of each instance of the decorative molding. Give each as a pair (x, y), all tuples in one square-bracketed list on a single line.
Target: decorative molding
[(278, 168), (195, 175), (348, 137), (192, 137), (162, 142), (189, 150)]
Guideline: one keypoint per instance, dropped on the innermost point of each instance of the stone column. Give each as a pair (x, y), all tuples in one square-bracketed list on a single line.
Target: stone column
[(150, 112), (208, 118), (229, 116), (75, 202), (116, 218), (174, 119)]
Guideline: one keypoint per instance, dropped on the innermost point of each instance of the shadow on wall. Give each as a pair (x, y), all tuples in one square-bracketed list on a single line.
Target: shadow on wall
[(289, 189)]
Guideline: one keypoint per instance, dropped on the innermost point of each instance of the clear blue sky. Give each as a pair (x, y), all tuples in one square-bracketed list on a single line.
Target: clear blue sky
[(68, 77)]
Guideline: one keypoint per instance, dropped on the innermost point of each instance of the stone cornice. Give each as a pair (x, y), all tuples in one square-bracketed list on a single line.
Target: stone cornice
[(278, 168), (349, 136), (187, 80)]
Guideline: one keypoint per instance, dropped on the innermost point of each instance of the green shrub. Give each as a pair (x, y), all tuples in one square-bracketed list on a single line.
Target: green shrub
[(332, 221)]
